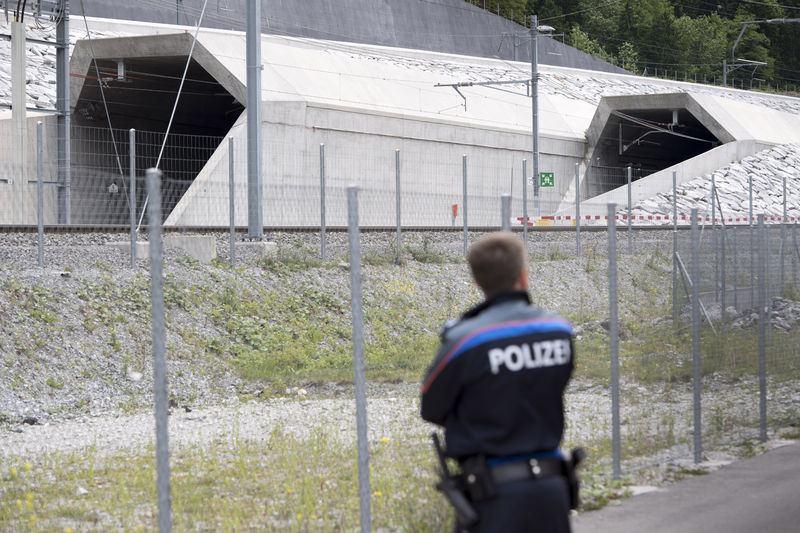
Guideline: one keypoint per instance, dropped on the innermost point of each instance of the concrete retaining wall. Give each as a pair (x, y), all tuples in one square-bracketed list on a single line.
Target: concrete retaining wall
[(452, 26), (661, 181), (360, 149)]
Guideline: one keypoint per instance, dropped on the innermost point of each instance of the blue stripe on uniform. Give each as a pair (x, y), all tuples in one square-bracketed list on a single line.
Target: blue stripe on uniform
[(516, 330)]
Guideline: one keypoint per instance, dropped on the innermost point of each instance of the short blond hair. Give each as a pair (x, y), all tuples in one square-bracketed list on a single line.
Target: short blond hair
[(496, 261)]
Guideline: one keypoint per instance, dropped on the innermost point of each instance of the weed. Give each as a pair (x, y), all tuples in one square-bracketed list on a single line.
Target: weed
[(306, 484), (557, 254), (288, 260), (792, 433), (54, 384), (426, 253)]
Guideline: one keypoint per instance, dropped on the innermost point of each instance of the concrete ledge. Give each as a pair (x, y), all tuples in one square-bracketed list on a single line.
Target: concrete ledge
[(261, 249), (142, 248), (203, 249)]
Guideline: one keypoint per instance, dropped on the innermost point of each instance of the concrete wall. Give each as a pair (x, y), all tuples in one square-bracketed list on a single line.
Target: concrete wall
[(661, 182), (452, 26), (18, 197), (360, 149)]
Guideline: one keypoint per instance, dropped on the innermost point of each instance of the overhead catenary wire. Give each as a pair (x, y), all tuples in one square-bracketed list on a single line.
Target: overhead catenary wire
[(105, 104), (175, 106)]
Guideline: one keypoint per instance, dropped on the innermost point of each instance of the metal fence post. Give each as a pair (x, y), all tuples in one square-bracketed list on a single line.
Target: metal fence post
[(505, 212), (795, 256), (232, 201), (132, 187), (714, 237), (630, 209), (159, 351), (696, 375), (525, 202), (464, 207), (763, 319), (722, 273), (397, 208), (323, 252), (784, 220), (39, 196), (578, 209), (752, 241), (358, 357), (735, 263), (674, 249), (613, 330)]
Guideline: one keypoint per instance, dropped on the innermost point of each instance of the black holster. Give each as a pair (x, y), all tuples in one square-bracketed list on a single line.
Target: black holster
[(576, 457), (453, 488)]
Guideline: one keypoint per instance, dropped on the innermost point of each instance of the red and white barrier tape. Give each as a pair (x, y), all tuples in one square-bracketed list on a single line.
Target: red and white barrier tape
[(648, 220)]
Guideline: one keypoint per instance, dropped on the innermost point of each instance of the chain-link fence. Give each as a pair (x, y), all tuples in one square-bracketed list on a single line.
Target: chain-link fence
[(698, 349)]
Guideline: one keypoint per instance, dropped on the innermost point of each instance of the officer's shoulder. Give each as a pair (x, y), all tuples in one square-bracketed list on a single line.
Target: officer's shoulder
[(535, 312), (447, 327), (455, 329)]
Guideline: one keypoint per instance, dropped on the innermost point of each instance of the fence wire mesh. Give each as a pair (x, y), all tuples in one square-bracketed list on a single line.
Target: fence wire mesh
[(747, 274)]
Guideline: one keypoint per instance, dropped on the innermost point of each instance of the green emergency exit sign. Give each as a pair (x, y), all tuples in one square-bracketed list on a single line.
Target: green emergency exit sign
[(547, 179)]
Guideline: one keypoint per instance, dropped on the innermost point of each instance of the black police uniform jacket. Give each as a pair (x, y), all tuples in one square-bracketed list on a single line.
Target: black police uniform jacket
[(497, 382)]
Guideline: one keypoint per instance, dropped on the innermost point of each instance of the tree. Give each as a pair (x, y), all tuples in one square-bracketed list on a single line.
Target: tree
[(628, 57), (584, 43)]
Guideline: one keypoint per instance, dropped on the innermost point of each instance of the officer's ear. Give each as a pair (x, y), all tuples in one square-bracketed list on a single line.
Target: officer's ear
[(522, 280)]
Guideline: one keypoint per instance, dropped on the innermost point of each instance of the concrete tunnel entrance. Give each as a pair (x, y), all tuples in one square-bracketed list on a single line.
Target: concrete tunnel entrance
[(140, 94), (647, 139)]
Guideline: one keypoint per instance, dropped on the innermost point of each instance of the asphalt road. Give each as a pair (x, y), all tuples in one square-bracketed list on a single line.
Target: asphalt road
[(761, 494)]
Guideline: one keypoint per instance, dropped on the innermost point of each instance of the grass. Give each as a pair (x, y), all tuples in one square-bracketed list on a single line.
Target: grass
[(38, 301), (284, 483)]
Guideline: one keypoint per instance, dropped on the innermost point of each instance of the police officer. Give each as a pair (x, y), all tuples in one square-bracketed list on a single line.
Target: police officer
[(496, 387)]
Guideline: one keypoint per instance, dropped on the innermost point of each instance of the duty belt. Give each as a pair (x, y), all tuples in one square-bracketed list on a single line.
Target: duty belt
[(526, 469)]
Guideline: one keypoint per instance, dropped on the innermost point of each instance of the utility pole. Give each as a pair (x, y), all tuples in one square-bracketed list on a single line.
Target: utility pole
[(742, 63), (255, 215), (63, 120), (19, 117), (535, 111)]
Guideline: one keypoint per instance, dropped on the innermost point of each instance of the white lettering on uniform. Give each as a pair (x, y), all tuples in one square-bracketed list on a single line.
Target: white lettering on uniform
[(496, 359), (540, 354)]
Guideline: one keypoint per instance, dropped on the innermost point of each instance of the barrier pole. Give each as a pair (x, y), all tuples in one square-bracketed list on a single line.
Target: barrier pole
[(231, 203), (358, 358), (674, 248), (397, 203), (630, 209), (525, 202), (464, 206), (159, 351), (323, 237), (613, 314), (132, 187), (578, 209), (763, 324), (39, 196), (696, 368)]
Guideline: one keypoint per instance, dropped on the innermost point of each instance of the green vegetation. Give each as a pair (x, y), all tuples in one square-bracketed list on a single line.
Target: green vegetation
[(284, 483), (54, 384), (305, 334), (35, 299), (687, 39)]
